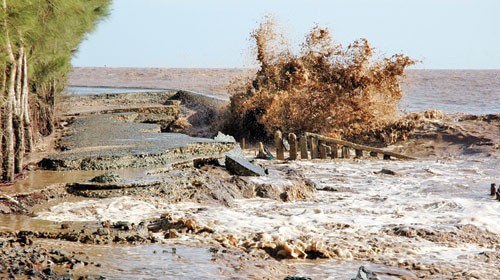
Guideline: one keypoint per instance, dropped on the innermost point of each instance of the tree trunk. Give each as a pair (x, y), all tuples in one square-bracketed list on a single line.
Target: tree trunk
[(10, 91), (2, 103), (8, 131), (18, 117), (28, 128), (51, 99), (17, 124)]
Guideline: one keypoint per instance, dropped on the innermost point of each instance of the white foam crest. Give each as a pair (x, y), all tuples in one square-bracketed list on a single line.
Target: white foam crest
[(113, 209)]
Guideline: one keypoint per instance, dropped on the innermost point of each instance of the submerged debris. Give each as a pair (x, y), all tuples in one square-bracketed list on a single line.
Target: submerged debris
[(386, 171), (242, 167)]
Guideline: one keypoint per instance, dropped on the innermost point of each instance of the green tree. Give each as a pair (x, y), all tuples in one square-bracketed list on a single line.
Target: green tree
[(37, 41)]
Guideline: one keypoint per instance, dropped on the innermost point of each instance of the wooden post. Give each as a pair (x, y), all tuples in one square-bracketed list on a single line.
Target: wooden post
[(278, 142), (493, 189), (303, 147), (328, 150), (335, 150), (359, 153), (262, 152), (243, 144), (314, 148), (322, 151), (292, 138), (387, 157), (498, 194), (346, 153)]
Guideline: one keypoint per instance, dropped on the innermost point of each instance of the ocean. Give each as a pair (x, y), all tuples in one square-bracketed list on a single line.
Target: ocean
[(452, 91)]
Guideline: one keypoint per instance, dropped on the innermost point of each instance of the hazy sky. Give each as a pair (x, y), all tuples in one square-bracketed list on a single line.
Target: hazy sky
[(444, 34)]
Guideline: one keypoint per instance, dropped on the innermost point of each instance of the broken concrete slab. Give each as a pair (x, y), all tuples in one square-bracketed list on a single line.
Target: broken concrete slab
[(242, 167), (91, 186), (100, 142)]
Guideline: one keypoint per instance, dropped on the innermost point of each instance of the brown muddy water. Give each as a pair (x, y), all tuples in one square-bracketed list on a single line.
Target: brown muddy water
[(452, 91), (41, 179), (152, 261)]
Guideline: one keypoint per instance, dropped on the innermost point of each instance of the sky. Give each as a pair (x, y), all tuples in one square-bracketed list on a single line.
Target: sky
[(442, 34)]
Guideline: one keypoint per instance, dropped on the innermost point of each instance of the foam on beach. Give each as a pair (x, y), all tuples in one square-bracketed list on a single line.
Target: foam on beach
[(109, 209)]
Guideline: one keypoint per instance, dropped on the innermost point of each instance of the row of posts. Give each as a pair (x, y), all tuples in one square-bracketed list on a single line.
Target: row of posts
[(319, 149)]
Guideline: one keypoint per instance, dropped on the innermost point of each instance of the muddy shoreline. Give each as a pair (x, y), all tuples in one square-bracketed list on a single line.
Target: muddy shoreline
[(131, 162)]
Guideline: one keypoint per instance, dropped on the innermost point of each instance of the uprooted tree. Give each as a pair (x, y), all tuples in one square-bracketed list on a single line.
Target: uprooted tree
[(328, 89), (37, 40)]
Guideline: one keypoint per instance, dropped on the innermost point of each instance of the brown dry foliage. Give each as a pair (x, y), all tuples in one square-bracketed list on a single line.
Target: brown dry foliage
[(326, 88)]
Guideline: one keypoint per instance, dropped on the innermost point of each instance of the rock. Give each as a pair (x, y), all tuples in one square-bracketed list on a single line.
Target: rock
[(386, 171), (221, 137), (4, 209), (433, 115), (102, 231), (268, 191), (242, 167), (172, 103), (123, 225), (24, 240), (200, 162), (106, 224), (365, 274), (48, 271), (108, 177), (65, 225), (172, 233), (77, 265)]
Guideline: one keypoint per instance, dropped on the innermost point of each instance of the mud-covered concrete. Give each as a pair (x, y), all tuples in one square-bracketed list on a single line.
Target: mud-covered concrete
[(123, 134)]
